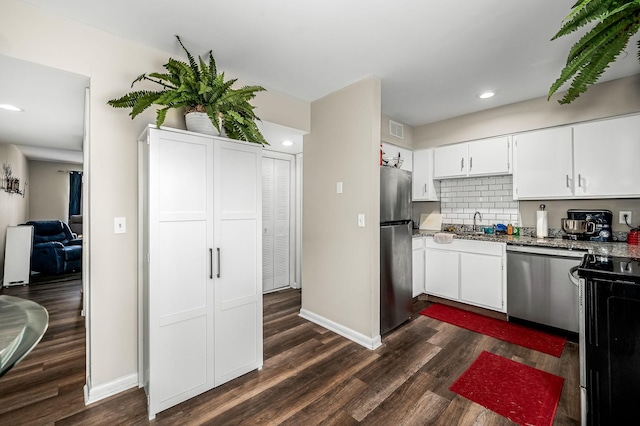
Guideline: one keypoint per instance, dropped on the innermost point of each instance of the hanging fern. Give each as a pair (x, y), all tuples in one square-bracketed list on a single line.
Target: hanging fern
[(197, 86), (617, 21)]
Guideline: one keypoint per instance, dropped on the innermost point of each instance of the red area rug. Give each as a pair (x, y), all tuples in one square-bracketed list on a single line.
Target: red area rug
[(523, 394), (503, 330)]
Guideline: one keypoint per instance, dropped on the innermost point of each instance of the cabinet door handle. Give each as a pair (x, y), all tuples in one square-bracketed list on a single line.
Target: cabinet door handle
[(470, 163), (218, 251), (210, 263), (462, 164), (567, 181), (425, 188), (579, 180)]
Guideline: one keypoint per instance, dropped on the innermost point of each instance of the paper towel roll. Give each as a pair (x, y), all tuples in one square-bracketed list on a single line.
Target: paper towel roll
[(542, 228)]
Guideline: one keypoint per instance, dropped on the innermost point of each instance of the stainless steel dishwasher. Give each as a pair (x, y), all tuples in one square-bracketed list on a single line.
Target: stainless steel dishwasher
[(540, 286)]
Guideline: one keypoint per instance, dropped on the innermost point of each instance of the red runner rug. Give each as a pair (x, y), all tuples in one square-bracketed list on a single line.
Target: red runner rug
[(503, 330), (523, 394)]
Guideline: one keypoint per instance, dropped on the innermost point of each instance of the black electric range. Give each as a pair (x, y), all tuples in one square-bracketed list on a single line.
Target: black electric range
[(609, 339), (614, 267)]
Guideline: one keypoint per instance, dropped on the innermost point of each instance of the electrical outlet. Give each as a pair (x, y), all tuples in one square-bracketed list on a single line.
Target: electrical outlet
[(621, 218)]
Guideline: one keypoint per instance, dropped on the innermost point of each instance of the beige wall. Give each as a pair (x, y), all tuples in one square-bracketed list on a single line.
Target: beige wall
[(111, 63), (558, 209), (49, 189), (341, 262), (14, 208), (602, 100), (406, 141)]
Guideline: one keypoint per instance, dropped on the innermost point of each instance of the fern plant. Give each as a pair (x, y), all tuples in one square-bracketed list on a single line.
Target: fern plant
[(197, 86), (616, 22)]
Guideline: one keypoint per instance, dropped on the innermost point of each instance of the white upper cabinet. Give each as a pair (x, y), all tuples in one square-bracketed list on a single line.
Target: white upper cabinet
[(588, 160), (543, 164), (476, 158), (423, 185), (490, 157), (606, 154), (392, 151), (451, 161)]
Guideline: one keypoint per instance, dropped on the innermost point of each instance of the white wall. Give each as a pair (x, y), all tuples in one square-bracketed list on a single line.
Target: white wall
[(14, 208), (111, 63), (49, 189), (341, 262)]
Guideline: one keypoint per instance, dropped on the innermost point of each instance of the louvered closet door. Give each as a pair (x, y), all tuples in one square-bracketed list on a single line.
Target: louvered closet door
[(276, 223)]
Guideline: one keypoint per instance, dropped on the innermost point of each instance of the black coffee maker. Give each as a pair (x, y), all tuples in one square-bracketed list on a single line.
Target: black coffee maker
[(588, 225)]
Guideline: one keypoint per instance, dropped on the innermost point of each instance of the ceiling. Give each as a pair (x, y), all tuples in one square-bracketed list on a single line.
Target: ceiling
[(432, 57), (52, 124)]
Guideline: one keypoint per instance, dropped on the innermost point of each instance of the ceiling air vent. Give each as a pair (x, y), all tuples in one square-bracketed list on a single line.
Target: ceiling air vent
[(396, 129)]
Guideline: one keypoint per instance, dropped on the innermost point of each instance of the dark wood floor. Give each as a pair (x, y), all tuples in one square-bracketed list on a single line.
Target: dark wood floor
[(310, 375)]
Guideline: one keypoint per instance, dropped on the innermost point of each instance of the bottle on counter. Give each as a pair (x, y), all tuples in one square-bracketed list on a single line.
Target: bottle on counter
[(509, 229)]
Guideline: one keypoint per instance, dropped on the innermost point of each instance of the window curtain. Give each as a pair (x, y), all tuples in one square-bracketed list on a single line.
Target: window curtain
[(75, 193)]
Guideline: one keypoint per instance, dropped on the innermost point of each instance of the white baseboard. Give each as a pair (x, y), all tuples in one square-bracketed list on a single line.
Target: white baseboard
[(97, 393), (359, 338)]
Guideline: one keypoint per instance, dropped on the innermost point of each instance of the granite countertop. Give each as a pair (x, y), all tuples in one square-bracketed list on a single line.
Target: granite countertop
[(621, 249)]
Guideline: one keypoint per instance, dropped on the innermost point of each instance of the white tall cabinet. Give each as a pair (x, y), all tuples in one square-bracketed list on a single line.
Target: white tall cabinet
[(200, 253)]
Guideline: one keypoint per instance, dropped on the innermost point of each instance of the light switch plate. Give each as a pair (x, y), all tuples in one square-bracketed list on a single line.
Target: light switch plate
[(119, 225), (361, 220), (338, 187)]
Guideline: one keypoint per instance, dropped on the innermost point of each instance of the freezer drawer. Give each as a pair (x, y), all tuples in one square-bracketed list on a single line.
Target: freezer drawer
[(396, 302)]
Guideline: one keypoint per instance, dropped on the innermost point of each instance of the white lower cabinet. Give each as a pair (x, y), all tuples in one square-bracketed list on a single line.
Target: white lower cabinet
[(418, 266), (442, 274), (481, 280), (467, 271), (200, 255)]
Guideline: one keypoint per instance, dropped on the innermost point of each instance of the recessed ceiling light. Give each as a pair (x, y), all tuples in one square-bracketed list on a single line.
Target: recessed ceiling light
[(10, 108), (287, 143), (486, 95)]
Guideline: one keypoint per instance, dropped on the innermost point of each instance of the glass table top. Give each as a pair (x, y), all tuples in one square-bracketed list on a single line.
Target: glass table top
[(22, 325)]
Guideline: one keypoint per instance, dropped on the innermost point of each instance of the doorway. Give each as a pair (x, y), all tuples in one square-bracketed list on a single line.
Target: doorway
[(48, 146)]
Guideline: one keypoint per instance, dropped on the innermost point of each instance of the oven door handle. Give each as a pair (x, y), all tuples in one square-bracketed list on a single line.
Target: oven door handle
[(572, 277)]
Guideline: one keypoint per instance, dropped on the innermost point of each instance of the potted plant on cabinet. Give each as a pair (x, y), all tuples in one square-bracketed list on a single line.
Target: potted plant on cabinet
[(197, 87)]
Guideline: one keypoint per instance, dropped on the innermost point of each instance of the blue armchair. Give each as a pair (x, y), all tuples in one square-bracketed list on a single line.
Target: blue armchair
[(55, 248)]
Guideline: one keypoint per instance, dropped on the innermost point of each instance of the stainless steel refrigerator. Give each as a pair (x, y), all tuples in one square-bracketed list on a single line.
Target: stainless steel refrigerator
[(395, 248)]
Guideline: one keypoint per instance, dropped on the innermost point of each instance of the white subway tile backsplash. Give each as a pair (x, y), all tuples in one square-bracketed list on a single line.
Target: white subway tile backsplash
[(491, 196)]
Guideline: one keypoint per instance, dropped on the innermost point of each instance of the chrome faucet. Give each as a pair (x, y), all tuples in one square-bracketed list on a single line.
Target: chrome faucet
[(474, 220)]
